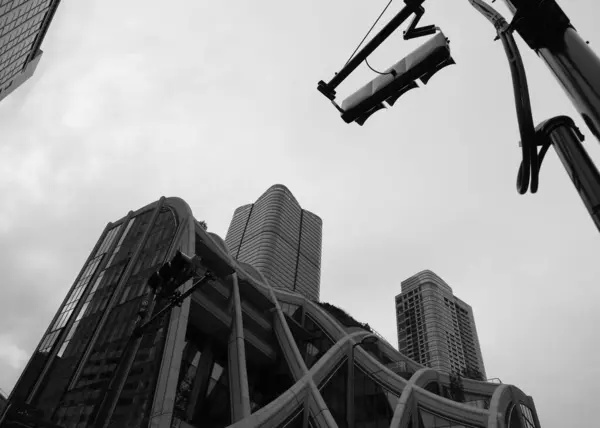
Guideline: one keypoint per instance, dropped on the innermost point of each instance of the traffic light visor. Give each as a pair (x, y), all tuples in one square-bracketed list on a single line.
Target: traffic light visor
[(165, 272), (181, 262), (213, 261), (154, 282)]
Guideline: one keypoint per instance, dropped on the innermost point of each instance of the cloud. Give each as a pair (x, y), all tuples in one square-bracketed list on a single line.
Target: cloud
[(214, 104), (11, 354)]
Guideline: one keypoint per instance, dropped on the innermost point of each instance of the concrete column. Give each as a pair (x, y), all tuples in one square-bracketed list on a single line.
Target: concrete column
[(321, 414), (404, 408), (175, 331), (306, 411), (415, 414), (350, 388), (238, 375), (201, 380)]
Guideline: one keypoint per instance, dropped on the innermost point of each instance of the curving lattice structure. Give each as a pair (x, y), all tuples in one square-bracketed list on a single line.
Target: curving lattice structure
[(239, 352)]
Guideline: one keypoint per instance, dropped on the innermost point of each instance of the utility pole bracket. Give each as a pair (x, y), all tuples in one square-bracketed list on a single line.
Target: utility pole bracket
[(413, 32)]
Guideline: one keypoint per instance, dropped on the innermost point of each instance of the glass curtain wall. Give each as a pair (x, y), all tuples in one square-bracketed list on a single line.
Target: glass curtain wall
[(90, 382)]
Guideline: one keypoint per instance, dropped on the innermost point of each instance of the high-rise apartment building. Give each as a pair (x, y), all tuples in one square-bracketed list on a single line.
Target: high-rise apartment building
[(23, 26), (280, 239), (239, 352), (436, 328)]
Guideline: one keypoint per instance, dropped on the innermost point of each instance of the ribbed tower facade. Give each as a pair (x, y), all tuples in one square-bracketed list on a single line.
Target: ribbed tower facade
[(280, 239), (436, 328)]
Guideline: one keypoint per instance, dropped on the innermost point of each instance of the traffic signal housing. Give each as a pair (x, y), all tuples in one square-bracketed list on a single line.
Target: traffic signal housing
[(218, 264), (386, 88), (172, 274)]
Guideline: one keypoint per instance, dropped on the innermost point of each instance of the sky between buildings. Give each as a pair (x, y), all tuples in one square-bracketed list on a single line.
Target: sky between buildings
[(216, 101)]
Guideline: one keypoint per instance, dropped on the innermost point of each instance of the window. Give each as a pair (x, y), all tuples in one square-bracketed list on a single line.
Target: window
[(296, 420), (373, 405), (312, 349), (526, 414), (289, 308), (216, 410), (334, 394), (431, 420), (187, 375), (266, 382)]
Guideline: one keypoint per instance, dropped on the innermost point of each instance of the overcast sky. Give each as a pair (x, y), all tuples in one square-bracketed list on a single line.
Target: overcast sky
[(216, 101)]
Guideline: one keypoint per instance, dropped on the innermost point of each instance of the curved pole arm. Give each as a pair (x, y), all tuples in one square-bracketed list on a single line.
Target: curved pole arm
[(490, 14)]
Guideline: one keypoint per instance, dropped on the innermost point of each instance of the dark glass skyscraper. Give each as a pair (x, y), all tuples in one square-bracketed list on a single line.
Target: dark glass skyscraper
[(23, 26), (280, 239)]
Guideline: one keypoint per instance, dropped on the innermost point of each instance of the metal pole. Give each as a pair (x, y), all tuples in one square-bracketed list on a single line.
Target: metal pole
[(577, 68), (566, 139), (328, 89), (574, 64)]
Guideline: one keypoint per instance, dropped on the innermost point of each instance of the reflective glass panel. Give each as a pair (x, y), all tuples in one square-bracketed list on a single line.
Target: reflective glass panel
[(335, 396), (296, 420), (267, 378), (373, 405)]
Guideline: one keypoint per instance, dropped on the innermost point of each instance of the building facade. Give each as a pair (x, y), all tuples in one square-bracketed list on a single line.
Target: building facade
[(279, 238), (3, 401), (237, 353), (436, 328), (23, 26)]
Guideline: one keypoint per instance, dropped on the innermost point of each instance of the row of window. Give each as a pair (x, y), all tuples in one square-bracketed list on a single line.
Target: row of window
[(307, 280), (120, 243), (254, 241), (276, 269), (13, 12), (14, 17), (275, 220), (85, 322), (16, 51), (109, 344), (288, 220), (236, 229), (264, 243), (81, 287), (108, 240), (96, 302), (72, 301), (311, 248), (275, 202), (20, 33), (16, 63)]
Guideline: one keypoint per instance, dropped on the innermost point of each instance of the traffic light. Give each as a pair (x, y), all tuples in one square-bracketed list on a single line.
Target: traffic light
[(421, 64), (172, 274), (211, 259)]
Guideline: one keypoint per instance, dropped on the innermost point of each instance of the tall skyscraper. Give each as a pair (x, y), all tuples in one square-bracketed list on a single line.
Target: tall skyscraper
[(280, 239), (23, 26), (436, 328), (238, 352)]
